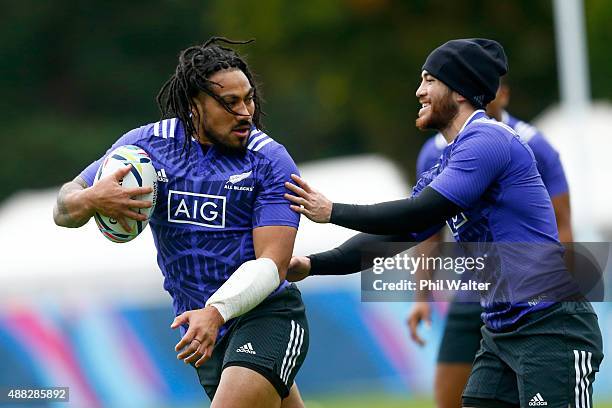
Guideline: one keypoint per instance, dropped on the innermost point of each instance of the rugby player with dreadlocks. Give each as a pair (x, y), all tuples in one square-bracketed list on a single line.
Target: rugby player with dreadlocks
[(224, 233)]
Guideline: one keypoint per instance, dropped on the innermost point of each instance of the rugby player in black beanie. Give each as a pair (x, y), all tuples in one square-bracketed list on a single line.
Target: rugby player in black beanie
[(541, 342), (472, 67)]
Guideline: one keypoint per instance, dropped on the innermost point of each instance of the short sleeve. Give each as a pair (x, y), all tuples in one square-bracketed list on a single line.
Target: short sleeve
[(549, 166), (474, 163), (131, 137), (271, 208)]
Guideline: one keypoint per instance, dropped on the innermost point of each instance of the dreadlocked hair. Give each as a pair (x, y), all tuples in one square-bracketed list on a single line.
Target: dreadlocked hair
[(196, 65)]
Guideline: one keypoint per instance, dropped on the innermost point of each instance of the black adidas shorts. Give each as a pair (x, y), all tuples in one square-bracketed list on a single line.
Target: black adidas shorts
[(271, 339), (549, 360), (461, 338)]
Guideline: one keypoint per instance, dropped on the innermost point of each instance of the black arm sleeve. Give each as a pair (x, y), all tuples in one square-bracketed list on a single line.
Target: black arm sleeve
[(414, 214), (348, 257)]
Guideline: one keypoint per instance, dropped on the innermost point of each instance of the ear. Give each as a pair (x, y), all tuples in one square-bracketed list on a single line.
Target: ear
[(197, 115), (504, 91), (458, 97), (196, 108)]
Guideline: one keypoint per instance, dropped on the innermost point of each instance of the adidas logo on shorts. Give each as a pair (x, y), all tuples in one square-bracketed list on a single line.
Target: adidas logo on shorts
[(537, 401), (247, 348)]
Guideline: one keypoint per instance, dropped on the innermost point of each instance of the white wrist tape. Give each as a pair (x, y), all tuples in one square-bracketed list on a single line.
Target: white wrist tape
[(252, 282)]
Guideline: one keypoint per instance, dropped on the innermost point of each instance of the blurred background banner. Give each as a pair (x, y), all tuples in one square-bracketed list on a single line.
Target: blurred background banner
[(81, 311), (338, 78)]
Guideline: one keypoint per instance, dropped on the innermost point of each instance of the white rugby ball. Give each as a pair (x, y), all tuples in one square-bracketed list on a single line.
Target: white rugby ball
[(142, 175)]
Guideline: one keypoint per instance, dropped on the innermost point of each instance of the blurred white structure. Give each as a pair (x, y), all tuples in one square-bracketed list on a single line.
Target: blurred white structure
[(572, 54), (40, 259), (585, 152), (578, 128)]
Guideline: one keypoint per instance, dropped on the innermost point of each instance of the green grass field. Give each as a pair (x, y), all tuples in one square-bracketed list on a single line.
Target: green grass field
[(383, 401), (364, 401), (377, 401), (367, 401)]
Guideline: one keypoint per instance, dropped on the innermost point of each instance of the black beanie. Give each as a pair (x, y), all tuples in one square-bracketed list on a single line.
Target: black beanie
[(472, 67)]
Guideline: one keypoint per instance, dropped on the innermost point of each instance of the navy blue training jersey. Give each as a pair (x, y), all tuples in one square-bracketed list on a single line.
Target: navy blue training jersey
[(547, 158), (208, 204), (491, 174)]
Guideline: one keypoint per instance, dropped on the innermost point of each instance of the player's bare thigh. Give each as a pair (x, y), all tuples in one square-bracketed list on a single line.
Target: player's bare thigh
[(294, 400), (450, 382), (241, 387)]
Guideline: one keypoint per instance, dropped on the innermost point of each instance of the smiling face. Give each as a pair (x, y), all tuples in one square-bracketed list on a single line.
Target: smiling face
[(438, 104), (214, 123)]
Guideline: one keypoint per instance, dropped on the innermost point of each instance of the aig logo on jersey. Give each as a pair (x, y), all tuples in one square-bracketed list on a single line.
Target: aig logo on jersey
[(198, 209)]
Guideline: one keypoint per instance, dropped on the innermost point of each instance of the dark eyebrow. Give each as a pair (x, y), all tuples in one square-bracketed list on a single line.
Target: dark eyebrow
[(234, 96)]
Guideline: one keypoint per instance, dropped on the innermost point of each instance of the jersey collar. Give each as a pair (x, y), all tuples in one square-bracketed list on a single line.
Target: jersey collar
[(440, 141), (505, 117), (477, 114)]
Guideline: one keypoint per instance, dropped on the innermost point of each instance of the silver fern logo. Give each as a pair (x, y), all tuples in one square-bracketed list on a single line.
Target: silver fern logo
[(239, 177)]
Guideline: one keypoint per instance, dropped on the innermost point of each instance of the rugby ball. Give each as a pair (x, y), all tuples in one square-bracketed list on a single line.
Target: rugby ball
[(142, 175)]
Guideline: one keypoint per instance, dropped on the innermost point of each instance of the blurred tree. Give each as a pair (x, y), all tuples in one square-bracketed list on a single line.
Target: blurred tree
[(342, 74), (598, 14), (338, 76)]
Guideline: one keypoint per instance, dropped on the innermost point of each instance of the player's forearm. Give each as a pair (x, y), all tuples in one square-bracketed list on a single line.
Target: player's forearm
[(415, 214), (275, 243), (247, 287), (280, 259), (565, 233), (563, 216), (73, 206), (429, 248), (348, 258), (254, 280), (335, 262)]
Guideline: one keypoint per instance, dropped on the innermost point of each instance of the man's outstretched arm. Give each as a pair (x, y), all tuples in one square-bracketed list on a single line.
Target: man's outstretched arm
[(348, 257), (423, 214)]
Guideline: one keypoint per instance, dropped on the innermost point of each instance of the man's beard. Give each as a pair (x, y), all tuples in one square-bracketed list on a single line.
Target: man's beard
[(441, 115), (217, 140)]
